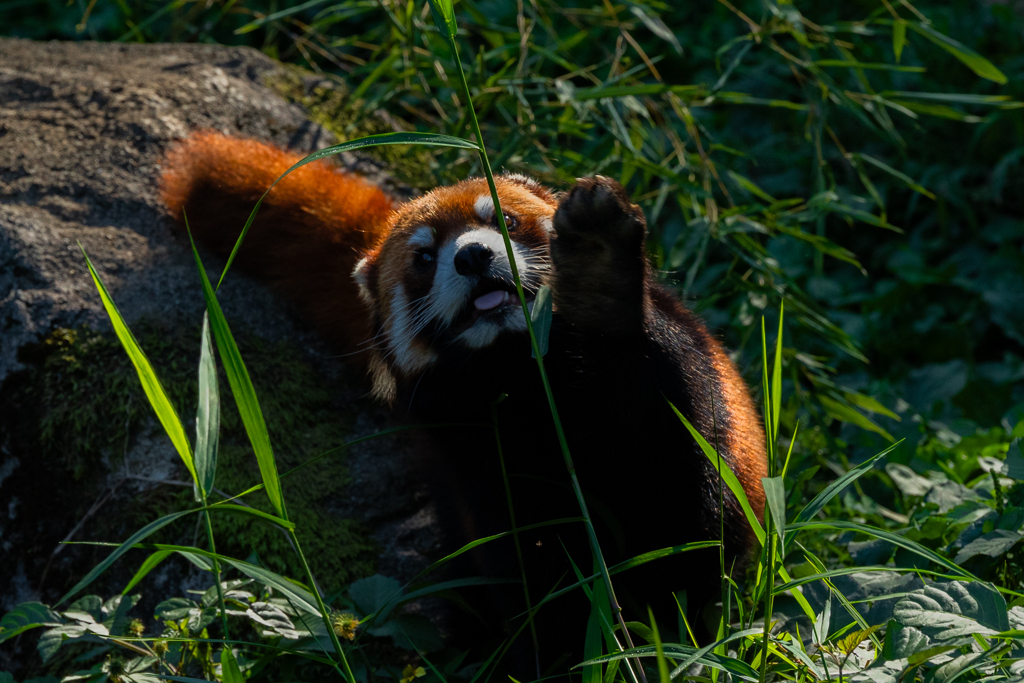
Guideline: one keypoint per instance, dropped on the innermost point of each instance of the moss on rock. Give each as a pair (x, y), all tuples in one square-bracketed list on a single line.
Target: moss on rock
[(82, 397)]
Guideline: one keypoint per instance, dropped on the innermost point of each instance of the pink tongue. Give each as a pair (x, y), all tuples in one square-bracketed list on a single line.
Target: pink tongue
[(491, 300)]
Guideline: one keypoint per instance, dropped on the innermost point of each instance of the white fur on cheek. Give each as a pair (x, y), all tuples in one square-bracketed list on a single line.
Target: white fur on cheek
[(546, 225), (480, 335), (401, 338), (484, 207)]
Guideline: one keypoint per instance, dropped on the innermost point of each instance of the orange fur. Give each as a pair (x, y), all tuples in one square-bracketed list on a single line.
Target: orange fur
[(310, 230)]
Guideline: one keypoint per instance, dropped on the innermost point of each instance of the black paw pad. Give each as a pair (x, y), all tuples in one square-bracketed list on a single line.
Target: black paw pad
[(599, 207)]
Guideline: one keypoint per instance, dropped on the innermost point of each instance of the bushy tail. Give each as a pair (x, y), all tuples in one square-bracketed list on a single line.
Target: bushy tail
[(308, 234)]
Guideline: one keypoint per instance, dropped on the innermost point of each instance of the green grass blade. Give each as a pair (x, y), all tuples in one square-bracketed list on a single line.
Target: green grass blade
[(125, 547), (836, 487), (428, 139), (627, 564), (905, 543), (243, 391), (148, 565), (253, 25), (253, 512), (541, 316), (777, 380), (899, 38), (659, 650), (151, 385), (207, 416), (775, 495), (726, 473), (230, 672), (971, 59)]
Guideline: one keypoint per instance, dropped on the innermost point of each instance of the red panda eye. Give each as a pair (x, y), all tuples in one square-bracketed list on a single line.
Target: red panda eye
[(510, 221), (424, 258)]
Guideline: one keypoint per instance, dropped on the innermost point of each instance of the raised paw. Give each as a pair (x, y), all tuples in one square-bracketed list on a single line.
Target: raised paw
[(599, 258), (599, 209)]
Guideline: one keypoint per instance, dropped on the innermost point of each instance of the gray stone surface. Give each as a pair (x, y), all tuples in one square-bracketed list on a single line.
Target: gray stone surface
[(83, 127)]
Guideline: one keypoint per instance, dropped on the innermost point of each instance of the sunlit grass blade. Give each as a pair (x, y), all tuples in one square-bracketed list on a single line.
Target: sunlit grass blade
[(726, 473), (243, 391), (281, 14), (775, 496), (629, 564), (429, 139), (207, 417), (151, 385), (730, 665), (148, 565), (905, 543), (137, 537), (777, 380), (969, 57), (836, 487)]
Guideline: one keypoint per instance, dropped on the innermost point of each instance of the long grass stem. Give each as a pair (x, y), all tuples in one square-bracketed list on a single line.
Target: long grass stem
[(324, 612), (591, 533)]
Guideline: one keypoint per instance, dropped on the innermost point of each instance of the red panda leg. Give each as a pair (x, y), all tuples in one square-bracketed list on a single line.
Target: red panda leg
[(598, 253)]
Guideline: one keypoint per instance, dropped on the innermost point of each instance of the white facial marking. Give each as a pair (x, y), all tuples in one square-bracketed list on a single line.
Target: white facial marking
[(402, 334), (422, 237), (484, 207), (546, 224), (450, 290), (361, 273)]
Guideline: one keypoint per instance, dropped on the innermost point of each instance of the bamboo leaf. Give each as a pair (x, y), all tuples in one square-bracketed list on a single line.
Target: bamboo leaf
[(836, 487), (775, 494), (967, 56), (137, 537), (243, 391), (540, 315), (151, 385), (207, 417), (899, 38), (148, 565), (902, 177), (727, 475)]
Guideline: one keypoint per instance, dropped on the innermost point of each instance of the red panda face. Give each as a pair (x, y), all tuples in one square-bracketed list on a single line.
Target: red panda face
[(441, 276)]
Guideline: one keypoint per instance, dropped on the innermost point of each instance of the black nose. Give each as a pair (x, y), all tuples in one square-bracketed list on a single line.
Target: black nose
[(473, 259)]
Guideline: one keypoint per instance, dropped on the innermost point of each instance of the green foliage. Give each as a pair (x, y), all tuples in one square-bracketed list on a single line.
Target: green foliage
[(857, 162)]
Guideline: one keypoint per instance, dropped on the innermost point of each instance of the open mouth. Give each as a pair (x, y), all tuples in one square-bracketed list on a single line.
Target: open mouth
[(490, 299)]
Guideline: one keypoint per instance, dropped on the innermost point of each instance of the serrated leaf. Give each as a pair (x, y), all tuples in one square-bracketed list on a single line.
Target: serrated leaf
[(852, 640), (903, 641), (51, 640), (950, 612), (1015, 460), (907, 480), (27, 616), (994, 544), (374, 592), (174, 609)]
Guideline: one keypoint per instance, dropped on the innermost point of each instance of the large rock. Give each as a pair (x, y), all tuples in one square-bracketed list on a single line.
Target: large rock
[(82, 130)]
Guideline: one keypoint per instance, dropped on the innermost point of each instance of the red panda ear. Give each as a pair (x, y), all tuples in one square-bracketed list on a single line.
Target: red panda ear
[(365, 275), (530, 184)]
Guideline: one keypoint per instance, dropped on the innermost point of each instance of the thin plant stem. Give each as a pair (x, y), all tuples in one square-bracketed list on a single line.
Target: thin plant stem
[(323, 608), (216, 568), (585, 513), (515, 536)]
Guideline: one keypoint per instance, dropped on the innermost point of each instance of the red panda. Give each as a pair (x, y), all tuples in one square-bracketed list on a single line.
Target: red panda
[(425, 288)]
